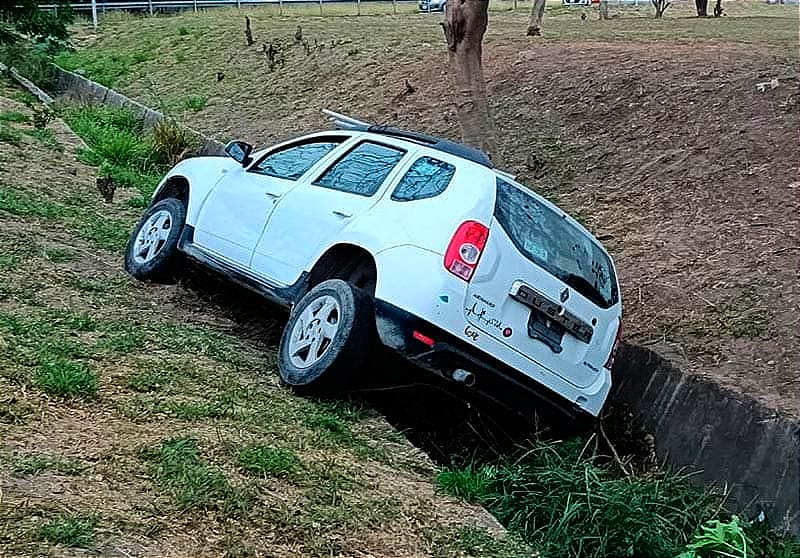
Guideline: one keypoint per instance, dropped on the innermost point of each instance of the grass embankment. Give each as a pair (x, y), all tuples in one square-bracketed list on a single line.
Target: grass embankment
[(149, 418)]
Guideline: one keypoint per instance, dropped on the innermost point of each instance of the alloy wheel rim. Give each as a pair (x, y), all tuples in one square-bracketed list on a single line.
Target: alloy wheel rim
[(313, 332), (152, 236)]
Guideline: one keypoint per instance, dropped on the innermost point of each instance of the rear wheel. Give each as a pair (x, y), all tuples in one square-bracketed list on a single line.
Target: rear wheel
[(153, 247), (328, 337)]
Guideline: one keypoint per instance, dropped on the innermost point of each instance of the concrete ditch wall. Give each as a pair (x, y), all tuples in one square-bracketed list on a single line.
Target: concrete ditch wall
[(80, 89), (731, 439)]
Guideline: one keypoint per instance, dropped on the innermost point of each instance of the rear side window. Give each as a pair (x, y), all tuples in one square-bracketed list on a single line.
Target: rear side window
[(292, 162), (427, 177), (558, 246), (362, 170)]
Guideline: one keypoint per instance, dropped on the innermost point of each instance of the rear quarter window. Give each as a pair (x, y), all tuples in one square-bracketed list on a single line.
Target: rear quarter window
[(427, 178)]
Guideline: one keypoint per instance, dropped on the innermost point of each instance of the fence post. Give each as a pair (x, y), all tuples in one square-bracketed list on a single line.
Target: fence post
[(195, 6), (320, 7), (280, 7), (515, 4), (150, 5), (358, 7), (94, 14), (238, 3), (394, 7)]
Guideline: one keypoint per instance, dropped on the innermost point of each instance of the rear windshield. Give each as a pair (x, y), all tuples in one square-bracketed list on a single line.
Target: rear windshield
[(555, 244)]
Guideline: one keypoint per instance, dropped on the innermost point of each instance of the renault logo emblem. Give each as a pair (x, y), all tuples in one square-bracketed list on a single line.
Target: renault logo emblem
[(564, 295)]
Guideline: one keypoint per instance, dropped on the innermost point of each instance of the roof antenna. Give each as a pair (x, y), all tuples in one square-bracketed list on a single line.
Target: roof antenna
[(344, 122)]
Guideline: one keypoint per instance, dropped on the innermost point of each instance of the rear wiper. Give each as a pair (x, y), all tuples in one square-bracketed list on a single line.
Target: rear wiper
[(584, 287)]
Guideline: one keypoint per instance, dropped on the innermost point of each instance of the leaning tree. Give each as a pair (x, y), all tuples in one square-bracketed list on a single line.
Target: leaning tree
[(464, 26)]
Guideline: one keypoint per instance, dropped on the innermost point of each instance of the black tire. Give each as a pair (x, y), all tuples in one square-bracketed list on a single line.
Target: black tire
[(345, 354), (162, 265)]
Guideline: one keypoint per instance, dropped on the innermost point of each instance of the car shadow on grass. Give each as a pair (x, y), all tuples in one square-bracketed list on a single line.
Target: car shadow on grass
[(449, 422)]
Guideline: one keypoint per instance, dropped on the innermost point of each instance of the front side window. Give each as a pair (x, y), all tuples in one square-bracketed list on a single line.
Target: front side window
[(362, 170), (292, 162), (427, 177)]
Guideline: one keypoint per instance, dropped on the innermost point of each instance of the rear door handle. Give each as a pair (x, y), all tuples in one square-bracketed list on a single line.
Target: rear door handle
[(272, 195), (342, 214)]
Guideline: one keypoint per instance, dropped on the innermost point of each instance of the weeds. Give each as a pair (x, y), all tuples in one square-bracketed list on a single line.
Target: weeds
[(567, 504), (70, 530), (267, 461), (171, 143), (67, 379)]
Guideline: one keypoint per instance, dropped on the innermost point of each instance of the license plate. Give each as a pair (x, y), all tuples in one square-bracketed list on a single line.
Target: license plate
[(550, 310)]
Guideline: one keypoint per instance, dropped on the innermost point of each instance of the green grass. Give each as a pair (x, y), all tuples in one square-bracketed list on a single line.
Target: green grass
[(110, 70), (122, 149), (195, 103), (13, 116), (21, 204), (37, 463), (46, 137), (9, 135), (268, 461), (67, 379), (469, 483), (149, 381), (566, 503), (191, 481), (59, 255), (75, 530)]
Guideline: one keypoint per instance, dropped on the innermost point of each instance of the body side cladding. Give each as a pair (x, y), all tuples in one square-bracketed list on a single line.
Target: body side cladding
[(284, 297)]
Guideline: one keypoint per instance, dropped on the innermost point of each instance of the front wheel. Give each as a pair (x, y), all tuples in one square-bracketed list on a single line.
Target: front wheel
[(328, 337), (153, 247)]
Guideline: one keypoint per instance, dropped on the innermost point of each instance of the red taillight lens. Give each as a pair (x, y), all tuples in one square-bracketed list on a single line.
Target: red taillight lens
[(465, 249), (610, 362)]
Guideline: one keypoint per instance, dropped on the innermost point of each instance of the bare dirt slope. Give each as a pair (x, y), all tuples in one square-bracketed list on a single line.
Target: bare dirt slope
[(188, 447), (653, 133)]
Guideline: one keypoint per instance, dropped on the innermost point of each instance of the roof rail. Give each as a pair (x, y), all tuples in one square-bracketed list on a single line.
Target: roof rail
[(344, 122)]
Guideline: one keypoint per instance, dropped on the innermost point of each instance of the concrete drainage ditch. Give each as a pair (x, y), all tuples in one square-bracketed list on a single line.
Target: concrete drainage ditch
[(731, 440)]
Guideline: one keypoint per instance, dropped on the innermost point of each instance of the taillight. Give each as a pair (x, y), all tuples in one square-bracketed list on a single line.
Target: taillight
[(610, 362), (465, 249)]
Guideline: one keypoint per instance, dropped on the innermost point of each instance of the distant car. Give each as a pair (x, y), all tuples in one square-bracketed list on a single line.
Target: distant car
[(373, 234), (432, 5)]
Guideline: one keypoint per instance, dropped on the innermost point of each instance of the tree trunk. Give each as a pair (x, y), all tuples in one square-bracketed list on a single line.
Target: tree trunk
[(718, 11), (464, 26), (535, 22), (603, 9), (702, 7)]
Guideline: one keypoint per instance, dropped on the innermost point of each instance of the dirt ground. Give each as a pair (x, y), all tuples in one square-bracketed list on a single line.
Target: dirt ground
[(191, 360), (655, 134)]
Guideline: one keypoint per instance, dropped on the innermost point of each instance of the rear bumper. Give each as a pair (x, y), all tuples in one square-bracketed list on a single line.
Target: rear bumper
[(494, 379)]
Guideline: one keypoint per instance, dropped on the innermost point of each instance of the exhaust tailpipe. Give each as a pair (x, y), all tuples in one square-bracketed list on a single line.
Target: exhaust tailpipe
[(463, 377)]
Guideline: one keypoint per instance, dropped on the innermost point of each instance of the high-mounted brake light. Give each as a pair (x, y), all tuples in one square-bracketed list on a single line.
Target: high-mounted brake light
[(610, 362), (465, 249)]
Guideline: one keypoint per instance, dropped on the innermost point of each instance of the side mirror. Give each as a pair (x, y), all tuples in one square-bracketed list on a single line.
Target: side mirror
[(239, 151)]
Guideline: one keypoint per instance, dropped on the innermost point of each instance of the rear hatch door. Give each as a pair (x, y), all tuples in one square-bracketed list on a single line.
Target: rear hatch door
[(545, 288)]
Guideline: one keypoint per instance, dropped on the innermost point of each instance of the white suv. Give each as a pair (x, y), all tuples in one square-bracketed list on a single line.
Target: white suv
[(373, 233)]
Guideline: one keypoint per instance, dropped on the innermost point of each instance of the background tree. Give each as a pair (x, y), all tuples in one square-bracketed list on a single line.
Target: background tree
[(535, 22), (25, 17), (660, 6), (464, 26)]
